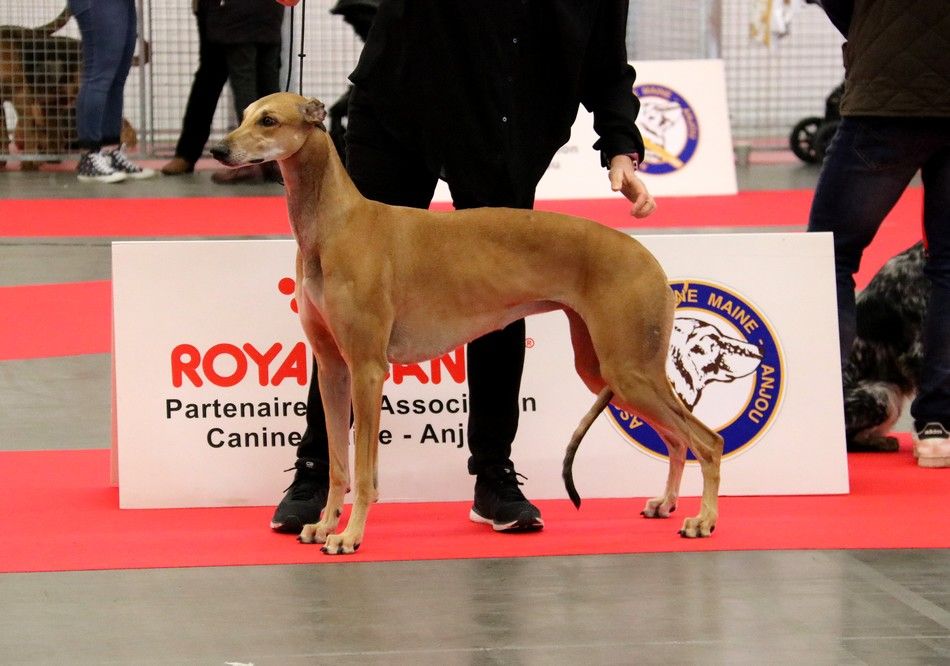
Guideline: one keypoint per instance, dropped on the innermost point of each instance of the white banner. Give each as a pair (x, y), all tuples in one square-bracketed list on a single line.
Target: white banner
[(684, 120), (211, 376)]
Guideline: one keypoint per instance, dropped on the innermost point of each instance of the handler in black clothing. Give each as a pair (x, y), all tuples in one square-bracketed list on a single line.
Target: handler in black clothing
[(481, 94), (240, 41)]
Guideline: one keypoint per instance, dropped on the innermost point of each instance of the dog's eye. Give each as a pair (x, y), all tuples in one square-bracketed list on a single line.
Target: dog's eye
[(267, 121)]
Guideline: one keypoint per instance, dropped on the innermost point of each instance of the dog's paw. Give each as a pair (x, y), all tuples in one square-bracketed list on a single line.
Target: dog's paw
[(314, 533), (658, 507), (698, 527), (340, 544)]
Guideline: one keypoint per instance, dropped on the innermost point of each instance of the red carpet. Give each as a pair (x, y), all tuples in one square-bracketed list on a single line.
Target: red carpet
[(60, 515), (56, 320)]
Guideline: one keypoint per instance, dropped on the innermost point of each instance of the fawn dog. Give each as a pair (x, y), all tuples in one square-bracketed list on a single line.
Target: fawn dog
[(378, 283)]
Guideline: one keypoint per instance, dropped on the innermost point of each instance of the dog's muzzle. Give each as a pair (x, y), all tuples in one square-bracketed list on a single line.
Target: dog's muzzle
[(220, 152)]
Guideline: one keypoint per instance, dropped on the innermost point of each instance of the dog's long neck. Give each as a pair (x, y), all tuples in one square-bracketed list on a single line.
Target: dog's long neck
[(320, 194)]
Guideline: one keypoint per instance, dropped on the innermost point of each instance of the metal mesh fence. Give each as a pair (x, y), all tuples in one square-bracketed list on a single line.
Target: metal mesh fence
[(769, 86), (39, 77)]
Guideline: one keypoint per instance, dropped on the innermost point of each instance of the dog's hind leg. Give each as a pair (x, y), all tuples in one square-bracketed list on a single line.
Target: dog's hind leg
[(653, 399)]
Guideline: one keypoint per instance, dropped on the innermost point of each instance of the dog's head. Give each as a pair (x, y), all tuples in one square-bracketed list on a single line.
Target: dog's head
[(274, 128)]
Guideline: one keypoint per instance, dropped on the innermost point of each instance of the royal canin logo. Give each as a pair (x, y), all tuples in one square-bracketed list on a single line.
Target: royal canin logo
[(227, 364)]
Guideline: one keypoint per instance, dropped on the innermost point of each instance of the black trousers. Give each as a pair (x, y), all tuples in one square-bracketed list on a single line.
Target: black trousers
[(210, 77), (253, 69), (254, 72), (387, 169)]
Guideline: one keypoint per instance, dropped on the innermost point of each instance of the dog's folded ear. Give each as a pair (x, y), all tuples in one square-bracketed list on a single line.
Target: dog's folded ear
[(314, 112)]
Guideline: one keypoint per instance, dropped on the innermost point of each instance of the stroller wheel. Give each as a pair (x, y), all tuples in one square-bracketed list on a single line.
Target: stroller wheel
[(802, 139)]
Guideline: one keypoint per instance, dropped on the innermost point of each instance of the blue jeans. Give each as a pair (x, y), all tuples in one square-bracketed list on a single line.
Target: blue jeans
[(108, 29), (869, 164)]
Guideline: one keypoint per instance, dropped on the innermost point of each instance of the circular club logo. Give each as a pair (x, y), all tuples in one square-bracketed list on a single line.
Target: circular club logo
[(725, 364), (669, 128)]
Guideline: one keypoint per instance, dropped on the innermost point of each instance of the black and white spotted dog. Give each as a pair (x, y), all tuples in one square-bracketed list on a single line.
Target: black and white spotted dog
[(881, 373)]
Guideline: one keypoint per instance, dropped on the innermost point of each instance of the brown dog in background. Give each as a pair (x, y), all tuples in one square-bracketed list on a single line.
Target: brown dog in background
[(40, 74)]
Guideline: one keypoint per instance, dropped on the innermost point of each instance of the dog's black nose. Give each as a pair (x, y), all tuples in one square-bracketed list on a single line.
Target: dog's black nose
[(220, 151)]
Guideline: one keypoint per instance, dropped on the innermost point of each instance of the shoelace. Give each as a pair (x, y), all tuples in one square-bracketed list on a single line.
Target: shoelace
[(101, 163), (123, 163), (303, 484), (507, 483)]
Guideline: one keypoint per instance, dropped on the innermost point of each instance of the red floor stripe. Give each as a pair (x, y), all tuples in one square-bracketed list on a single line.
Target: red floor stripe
[(893, 504), (56, 320)]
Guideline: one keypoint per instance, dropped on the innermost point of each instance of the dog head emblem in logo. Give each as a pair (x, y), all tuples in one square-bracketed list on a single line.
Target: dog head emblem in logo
[(701, 354), (669, 128), (725, 364)]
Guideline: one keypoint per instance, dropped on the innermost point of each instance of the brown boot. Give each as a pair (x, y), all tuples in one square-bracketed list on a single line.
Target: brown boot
[(244, 174), (177, 166)]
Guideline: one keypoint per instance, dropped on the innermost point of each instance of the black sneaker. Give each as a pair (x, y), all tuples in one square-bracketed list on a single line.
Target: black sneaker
[(305, 498), (96, 167), (122, 164), (500, 503)]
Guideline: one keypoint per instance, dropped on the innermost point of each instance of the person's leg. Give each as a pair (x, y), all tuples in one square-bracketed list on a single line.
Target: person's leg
[(102, 56), (869, 163), (122, 22), (383, 170), (112, 119), (268, 69), (210, 77), (494, 364), (932, 404), (242, 74)]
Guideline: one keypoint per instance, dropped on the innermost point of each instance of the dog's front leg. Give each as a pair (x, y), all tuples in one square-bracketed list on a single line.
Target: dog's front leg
[(367, 378), (334, 379)]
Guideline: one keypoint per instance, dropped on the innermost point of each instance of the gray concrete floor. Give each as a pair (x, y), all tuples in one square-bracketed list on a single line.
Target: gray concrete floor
[(808, 607)]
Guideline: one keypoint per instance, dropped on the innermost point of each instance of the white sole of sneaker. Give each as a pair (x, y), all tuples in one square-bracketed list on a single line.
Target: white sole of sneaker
[(513, 526), (146, 173), (114, 178)]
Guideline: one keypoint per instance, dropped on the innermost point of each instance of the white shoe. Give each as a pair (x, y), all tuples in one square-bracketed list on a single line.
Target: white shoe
[(96, 167), (122, 164), (932, 446)]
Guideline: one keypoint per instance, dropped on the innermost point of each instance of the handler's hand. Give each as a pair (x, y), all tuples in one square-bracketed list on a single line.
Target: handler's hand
[(623, 178), (288, 3)]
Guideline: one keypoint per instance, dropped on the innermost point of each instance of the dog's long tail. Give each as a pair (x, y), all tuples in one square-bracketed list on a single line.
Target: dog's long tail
[(603, 398), (57, 23)]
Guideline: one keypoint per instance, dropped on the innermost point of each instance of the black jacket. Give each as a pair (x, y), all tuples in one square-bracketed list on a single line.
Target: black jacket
[(243, 21), (489, 89)]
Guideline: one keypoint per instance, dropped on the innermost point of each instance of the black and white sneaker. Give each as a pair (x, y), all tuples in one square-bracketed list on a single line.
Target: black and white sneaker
[(932, 446), (500, 503), (122, 164), (96, 167), (305, 497)]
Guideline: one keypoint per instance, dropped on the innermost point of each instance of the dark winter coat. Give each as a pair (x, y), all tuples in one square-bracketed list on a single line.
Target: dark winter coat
[(897, 59)]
